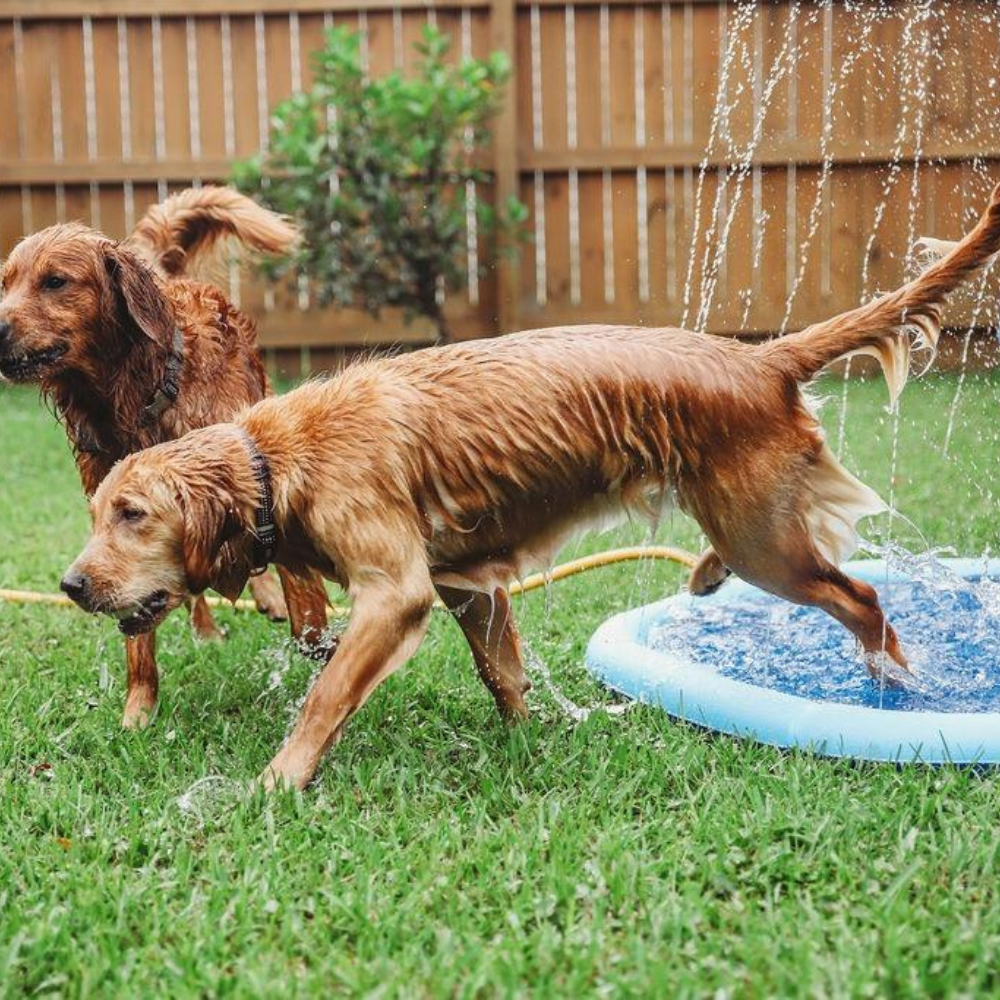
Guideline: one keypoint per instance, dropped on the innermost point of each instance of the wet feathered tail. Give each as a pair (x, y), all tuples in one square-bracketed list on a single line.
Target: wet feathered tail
[(884, 327), (174, 234), (932, 250)]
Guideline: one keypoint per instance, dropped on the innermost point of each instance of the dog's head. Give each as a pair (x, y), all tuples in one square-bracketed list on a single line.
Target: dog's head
[(71, 300), (165, 526)]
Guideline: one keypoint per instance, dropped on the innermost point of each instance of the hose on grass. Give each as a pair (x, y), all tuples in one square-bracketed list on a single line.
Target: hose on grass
[(635, 553)]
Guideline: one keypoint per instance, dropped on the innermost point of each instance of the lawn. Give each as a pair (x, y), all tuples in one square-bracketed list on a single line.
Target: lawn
[(438, 852)]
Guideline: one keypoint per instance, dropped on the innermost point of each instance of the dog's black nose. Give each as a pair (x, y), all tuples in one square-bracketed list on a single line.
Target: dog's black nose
[(74, 585), (4, 335)]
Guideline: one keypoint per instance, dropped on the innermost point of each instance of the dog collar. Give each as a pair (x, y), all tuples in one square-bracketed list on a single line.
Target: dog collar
[(169, 389), (265, 533)]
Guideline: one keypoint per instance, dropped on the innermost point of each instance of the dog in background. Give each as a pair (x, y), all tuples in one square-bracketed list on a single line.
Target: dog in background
[(548, 432), (131, 353)]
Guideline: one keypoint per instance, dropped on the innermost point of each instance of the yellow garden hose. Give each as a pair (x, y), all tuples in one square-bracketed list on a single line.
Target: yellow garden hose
[(636, 553)]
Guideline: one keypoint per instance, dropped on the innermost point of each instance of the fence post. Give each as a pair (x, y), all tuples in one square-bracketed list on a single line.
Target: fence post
[(503, 14)]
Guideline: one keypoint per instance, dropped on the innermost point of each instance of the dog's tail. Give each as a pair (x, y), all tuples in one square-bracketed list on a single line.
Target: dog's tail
[(883, 328), (932, 250), (175, 233)]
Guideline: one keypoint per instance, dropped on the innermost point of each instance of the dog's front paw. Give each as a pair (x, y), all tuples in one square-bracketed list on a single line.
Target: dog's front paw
[(276, 612), (705, 588), (208, 632), (268, 598), (276, 778), (140, 707)]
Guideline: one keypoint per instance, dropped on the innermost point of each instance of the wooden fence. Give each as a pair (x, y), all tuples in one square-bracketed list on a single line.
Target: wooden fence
[(733, 166)]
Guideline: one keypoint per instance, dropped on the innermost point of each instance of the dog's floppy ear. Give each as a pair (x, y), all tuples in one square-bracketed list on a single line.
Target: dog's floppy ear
[(140, 302), (204, 523), (231, 570), (209, 559)]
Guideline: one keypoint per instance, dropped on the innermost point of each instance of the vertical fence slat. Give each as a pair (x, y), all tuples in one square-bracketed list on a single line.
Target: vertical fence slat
[(10, 138), (503, 18)]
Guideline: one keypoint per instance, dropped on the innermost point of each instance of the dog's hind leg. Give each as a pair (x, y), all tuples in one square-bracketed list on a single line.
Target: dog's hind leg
[(855, 604), (202, 621), (268, 597), (306, 599), (143, 680), (781, 558), (489, 627), (708, 575)]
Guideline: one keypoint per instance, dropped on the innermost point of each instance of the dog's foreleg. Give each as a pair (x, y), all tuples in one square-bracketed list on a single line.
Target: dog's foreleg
[(489, 627), (202, 621), (143, 680), (708, 575), (306, 599), (387, 623), (268, 597)]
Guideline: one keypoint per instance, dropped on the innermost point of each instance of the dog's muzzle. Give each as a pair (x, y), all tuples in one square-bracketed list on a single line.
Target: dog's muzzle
[(26, 366), (133, 619), (144, 616)]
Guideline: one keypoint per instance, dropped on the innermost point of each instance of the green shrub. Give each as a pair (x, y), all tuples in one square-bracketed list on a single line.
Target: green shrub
[(375, 171)]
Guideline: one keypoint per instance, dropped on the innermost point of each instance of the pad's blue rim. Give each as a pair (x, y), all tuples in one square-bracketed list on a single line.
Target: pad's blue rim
[(618, 655)]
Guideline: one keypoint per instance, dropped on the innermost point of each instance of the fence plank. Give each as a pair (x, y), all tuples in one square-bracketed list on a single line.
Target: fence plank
[(107, 89), (52, 9), (59, 9), (142, 116), (804, 153), (211, 88), (37, 108), (9, 138), (502, 35)]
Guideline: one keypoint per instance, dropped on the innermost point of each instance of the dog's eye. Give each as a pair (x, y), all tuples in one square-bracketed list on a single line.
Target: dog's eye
[(53, 282), (132, 514)]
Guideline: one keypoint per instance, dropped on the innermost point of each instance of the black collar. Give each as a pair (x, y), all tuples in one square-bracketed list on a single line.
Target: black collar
[(169, 389), (265, 533)]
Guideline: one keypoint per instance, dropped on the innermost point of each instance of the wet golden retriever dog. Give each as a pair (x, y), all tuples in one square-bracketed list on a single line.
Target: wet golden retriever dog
[(131, 353), (451, 471)]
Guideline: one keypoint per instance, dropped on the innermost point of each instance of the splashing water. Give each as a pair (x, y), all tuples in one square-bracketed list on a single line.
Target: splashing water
[(105, 675), (282, 655), (963, 369), (279, 658), (539, 670), (210, 796), (925, 567), (949, 627)]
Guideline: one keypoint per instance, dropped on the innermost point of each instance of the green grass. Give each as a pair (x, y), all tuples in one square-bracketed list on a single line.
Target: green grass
[(439, 853)]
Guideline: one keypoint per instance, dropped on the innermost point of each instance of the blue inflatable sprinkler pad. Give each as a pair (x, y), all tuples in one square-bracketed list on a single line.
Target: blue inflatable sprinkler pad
[(746, 663)]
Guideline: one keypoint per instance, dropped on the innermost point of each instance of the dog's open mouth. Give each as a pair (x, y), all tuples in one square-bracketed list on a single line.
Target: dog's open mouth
[(25, 367), (144, 616)]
